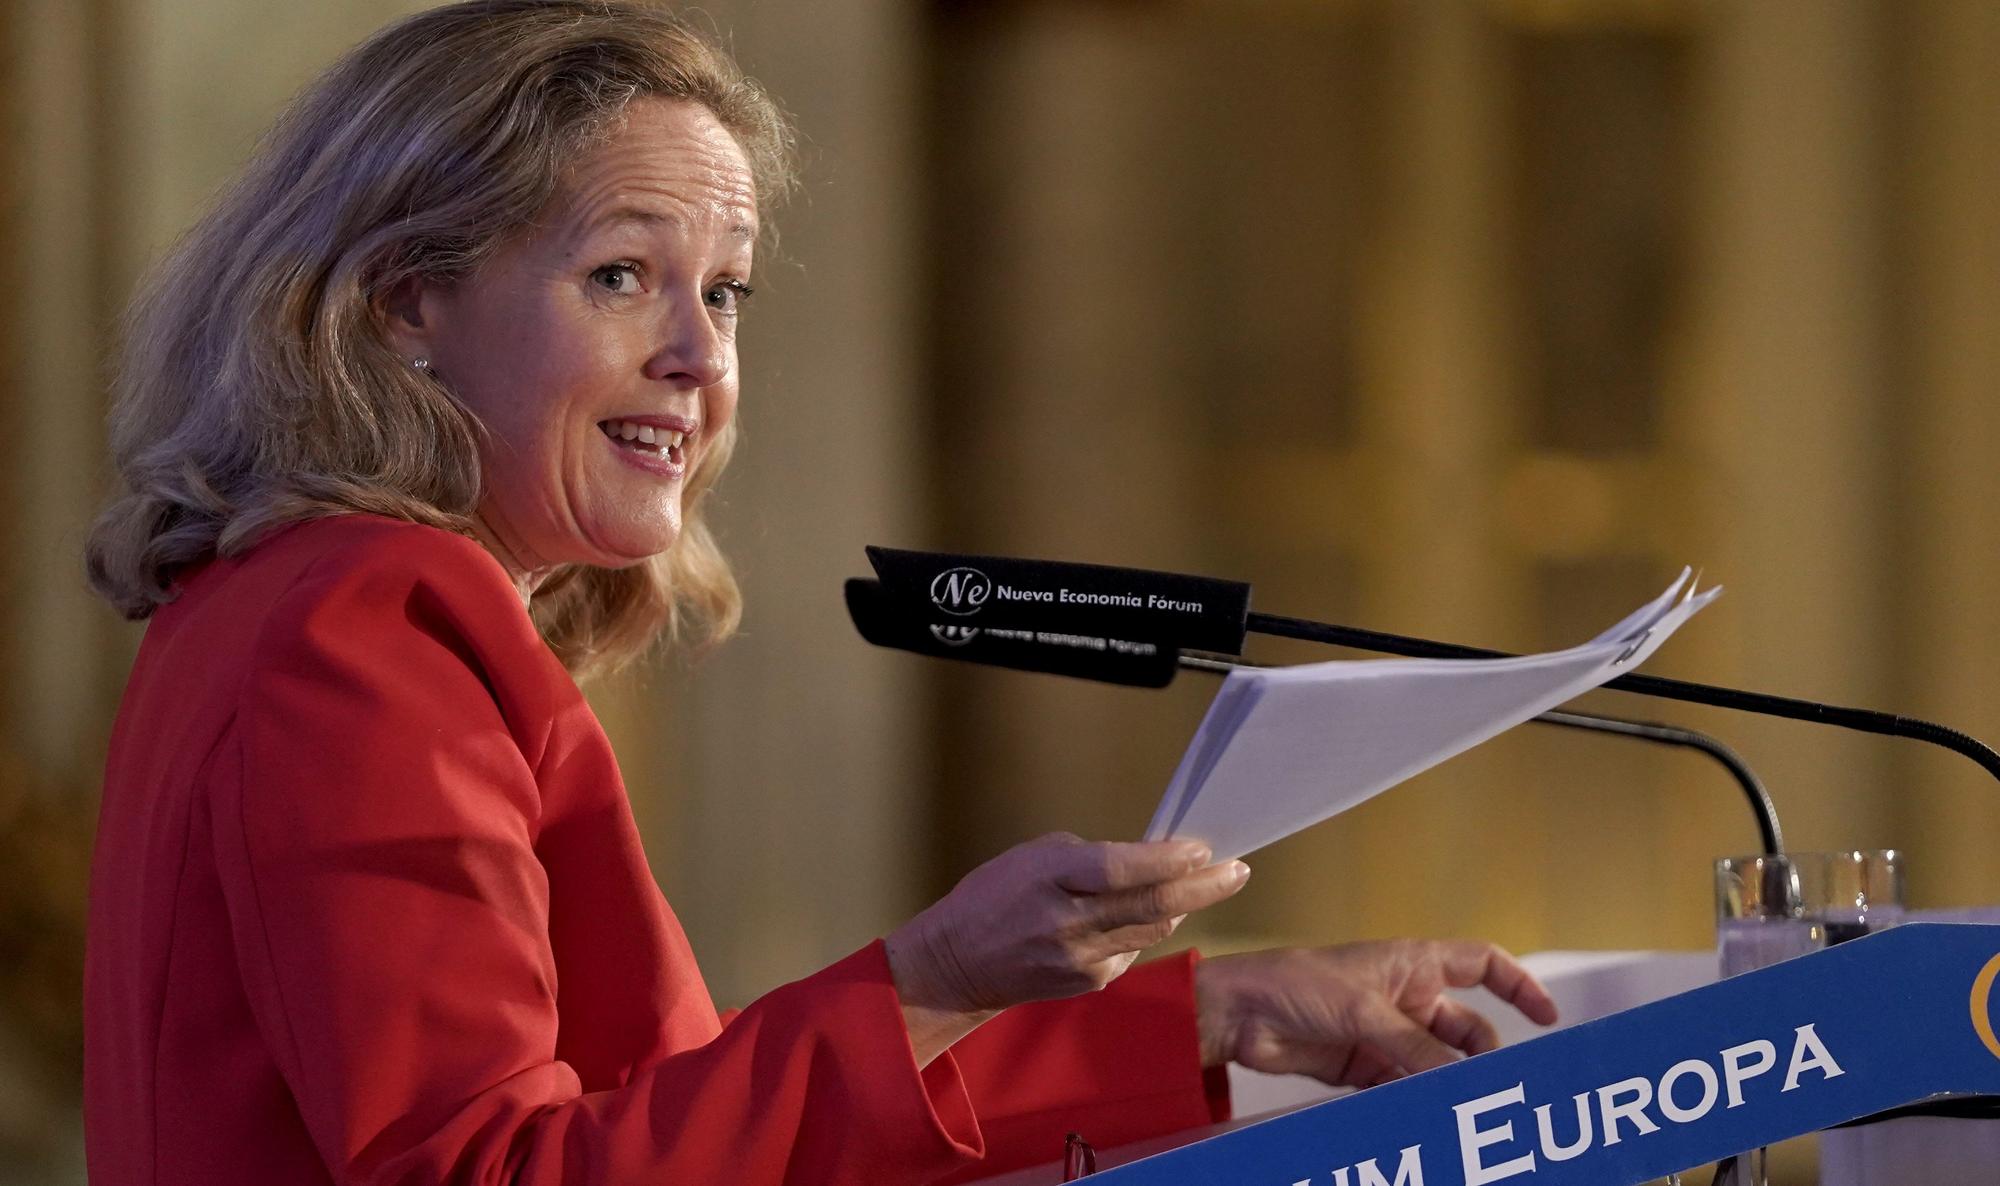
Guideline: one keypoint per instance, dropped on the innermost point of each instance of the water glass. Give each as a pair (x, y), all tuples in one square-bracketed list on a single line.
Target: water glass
[(1863, 893), (1772, 908)]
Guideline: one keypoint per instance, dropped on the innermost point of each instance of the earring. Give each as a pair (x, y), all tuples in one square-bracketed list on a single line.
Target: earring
[(422, 364)]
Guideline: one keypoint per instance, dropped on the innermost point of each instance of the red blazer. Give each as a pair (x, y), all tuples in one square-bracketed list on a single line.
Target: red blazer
[(368, 906)]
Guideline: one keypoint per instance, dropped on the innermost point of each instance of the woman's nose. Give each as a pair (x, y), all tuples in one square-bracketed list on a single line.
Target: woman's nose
[(693, 351)]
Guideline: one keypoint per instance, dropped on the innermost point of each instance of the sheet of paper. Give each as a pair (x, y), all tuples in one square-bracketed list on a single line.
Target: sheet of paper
[(1283, 748)]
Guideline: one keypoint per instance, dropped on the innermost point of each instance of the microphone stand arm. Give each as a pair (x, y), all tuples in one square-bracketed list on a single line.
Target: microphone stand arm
[(1753, 787), (1859, 719)]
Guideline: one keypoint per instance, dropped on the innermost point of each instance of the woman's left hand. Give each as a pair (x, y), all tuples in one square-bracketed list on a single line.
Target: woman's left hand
[(1360, 1013)]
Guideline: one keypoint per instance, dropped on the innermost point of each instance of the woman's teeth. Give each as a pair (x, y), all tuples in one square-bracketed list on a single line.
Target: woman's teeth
[(656, 440)]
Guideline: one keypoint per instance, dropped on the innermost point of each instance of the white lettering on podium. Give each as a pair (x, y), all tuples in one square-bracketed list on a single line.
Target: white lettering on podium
[(1472, 1138), (1709, 1089), (1409, 1171), (1583, 1142), (1480, 1129), (1820, 1058), (1735, 1072), (1633, 1109)]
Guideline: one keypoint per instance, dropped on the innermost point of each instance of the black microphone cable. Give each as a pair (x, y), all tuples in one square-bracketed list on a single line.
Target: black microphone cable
[(1863, 720)]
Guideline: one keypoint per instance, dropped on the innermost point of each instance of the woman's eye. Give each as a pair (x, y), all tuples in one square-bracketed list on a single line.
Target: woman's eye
[(622, 279), (727, 297)]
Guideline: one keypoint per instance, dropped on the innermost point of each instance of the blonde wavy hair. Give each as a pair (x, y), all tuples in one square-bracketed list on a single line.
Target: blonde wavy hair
[(257, 386)]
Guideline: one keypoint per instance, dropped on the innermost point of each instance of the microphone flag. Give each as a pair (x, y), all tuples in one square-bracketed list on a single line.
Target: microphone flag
[(1201, 613)]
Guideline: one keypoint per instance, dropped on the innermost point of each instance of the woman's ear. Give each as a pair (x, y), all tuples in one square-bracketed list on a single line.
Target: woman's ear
[(402, 308)]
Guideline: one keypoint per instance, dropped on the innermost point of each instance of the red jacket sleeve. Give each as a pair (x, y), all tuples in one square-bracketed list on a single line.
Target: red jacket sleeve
[(375, 832), (1117, 1066)]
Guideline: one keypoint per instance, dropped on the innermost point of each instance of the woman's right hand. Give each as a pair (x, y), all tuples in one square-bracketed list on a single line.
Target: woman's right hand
[(1050, 918)]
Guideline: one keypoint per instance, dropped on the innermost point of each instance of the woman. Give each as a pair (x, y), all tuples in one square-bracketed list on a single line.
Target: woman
[(415, 426)]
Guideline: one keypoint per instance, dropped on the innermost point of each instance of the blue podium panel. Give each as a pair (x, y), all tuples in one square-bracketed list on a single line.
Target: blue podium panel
[(1868, 1025)]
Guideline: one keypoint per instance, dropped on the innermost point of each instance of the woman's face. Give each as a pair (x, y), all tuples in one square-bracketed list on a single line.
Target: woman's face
[(612, 321)]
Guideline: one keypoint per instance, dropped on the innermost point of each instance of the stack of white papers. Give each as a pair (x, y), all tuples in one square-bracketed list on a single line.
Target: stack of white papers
[(1283, 748)]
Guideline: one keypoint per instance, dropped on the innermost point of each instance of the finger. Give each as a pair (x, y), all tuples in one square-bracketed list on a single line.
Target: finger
[(1463, 1027), (1388, 1076), (1100, 973), (1468, 963), (1399, 1039), (1372, 1070), (1359, 1066), (1107, 867), (1165, 899), (1118, 965), (1138, 937)]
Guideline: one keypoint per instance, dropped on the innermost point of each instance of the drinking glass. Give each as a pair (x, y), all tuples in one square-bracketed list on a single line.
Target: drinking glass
[(1863, 893), (1771, 908)]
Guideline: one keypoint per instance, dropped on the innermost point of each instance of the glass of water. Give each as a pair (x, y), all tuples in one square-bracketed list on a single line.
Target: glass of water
[(1772, 908), (1863, 893), (1764, 907)]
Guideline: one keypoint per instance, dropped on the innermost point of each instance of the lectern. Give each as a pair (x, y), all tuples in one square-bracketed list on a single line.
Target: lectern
[(1898, 1017)]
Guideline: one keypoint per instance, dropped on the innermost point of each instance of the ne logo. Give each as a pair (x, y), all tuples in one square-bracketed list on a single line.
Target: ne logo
[(960, 591)]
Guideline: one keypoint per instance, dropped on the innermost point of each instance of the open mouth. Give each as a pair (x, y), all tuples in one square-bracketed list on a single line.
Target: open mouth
[(660, 443)]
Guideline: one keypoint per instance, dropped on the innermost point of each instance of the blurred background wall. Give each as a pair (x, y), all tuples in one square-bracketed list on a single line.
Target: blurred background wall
[(1460, 318)]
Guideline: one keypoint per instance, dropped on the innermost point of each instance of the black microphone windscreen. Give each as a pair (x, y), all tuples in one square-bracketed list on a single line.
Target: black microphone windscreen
[(1179, 611), (884, 621)]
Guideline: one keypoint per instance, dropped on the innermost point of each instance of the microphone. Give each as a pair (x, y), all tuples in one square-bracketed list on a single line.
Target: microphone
[(884, 622), (881, 621), (1205, 614)]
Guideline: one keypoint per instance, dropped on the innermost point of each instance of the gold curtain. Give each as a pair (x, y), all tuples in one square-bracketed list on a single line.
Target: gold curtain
[(1477, 320)]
